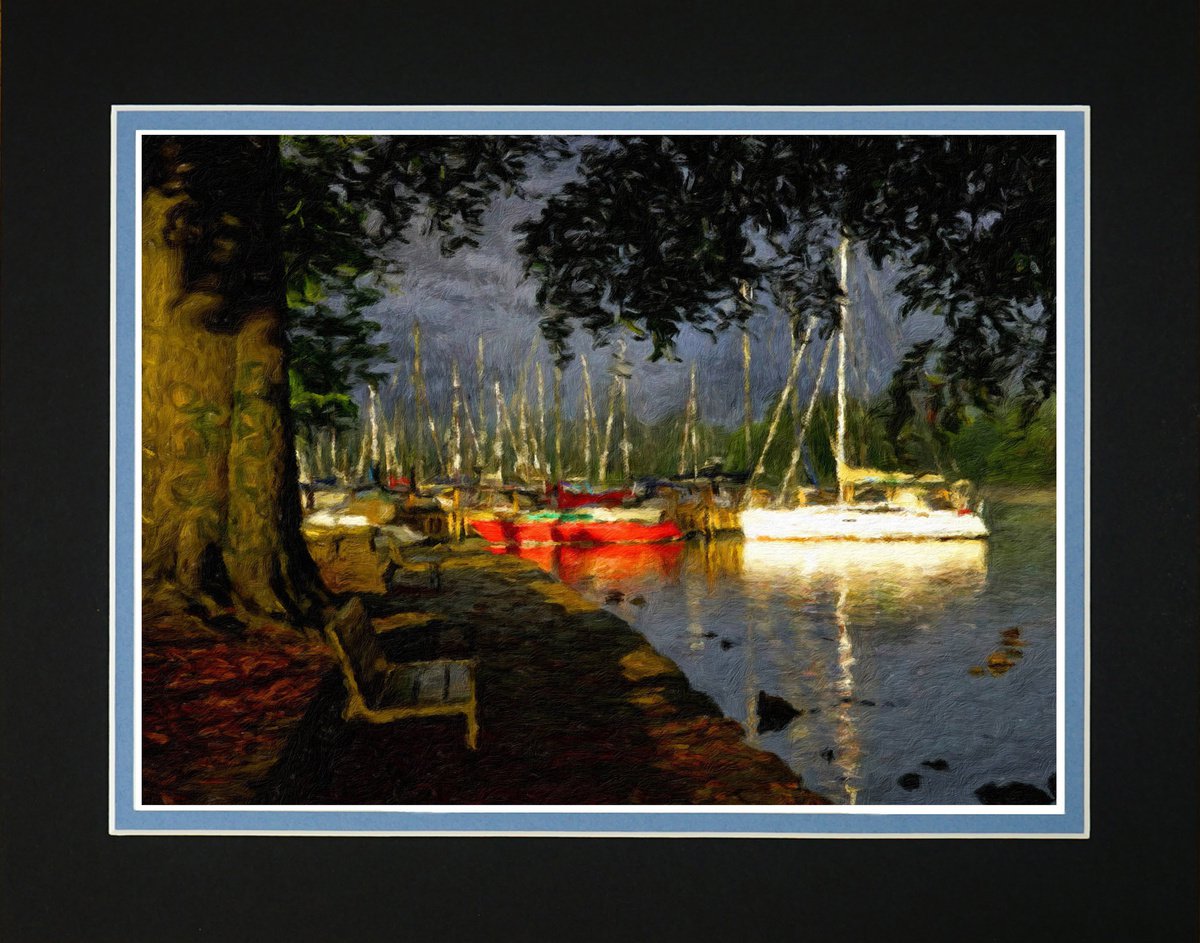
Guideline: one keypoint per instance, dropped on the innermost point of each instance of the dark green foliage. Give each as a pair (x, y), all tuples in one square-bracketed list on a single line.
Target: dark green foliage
[(346, 201), (661, 233), (1007, 448), (650, 238)]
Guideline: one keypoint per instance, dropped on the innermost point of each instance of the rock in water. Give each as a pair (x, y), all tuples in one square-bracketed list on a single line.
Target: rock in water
[(774, 713), (909, 781), (939, 764), (1012, 794)]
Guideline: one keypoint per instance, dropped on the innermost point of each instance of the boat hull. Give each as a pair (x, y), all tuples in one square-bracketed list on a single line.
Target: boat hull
[(868, 523), (579, 533)]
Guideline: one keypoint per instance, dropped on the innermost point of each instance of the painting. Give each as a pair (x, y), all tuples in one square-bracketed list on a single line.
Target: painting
[(603, 471)]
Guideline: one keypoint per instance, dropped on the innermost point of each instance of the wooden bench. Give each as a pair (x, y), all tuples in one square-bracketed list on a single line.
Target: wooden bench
[(380, 691)]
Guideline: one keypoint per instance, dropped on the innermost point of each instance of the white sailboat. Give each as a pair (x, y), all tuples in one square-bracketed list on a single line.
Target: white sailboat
[(902, 515)]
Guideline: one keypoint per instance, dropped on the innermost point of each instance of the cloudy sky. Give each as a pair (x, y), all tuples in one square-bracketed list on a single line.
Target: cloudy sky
[(482, 292)]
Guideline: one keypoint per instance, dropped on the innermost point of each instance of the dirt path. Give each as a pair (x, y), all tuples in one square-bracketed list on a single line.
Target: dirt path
[(574, 706)]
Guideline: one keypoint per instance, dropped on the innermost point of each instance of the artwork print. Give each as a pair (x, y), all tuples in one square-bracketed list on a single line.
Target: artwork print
[(599, 471)]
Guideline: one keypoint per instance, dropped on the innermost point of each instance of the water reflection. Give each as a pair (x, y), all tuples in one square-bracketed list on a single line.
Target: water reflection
[(900, 571), (870, 643), (625, 565)]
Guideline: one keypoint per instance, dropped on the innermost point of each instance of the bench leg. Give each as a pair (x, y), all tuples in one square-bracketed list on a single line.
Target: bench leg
[(472, 728)]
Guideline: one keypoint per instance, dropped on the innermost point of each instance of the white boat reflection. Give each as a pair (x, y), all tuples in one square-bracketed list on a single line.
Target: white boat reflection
[(908, 579), (915, 572)]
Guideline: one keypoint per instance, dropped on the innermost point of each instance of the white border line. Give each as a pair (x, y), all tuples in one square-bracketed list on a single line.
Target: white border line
[(1057, 809)]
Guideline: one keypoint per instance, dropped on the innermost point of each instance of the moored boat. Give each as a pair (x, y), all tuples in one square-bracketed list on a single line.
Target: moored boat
[(861, 522), (598, 526), (905, 513)]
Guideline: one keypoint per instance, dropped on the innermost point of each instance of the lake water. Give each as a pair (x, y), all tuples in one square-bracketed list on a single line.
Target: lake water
[(922, 671)]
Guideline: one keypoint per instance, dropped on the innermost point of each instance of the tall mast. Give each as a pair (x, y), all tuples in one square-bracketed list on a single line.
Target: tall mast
[(364, 445), (374, 413), (589, 418), (747, 407), (541, 405), (608, 424), (455, 423), (498, 439), (558, 374), (843, 312), (689, 435), (521, 408), (415, 384), (481, 393), (423, 399), (389, 459), (802, 424), (625, 447), (399, 434), (477, 455), (522, 457), (784, 399)]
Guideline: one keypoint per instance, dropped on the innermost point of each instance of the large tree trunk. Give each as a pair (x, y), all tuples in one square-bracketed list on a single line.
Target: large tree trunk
[(220, 497)]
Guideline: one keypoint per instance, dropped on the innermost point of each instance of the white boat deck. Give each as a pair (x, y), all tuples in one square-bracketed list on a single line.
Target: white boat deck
[(860, 522)]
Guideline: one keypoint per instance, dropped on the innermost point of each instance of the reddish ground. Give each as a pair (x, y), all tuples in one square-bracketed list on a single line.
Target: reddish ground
[(217, 710)]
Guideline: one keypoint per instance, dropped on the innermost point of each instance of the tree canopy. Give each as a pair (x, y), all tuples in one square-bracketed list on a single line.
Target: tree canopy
[(662, 232), (345, 202)]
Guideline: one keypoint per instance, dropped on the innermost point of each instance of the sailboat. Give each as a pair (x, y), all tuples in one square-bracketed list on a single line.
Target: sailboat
[(579, 518), (902, 515)]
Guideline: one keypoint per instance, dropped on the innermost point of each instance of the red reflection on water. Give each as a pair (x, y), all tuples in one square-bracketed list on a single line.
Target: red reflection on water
[(542, 556), (607, 563)]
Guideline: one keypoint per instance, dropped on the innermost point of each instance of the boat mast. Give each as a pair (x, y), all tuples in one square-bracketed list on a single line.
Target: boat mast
[(608, 424), (802, 424), (689, 434), (558, 471), (521, 408), (784, 399), (541, 403), (390, 459), (400, 434), (477, 455), (623, 374), (376, 458), (625, 446), (482, 393), (423, 399), (747, 406), (455, 422), (498, 439), (522, 457), (589, 418), (843, 312), (415, 383)]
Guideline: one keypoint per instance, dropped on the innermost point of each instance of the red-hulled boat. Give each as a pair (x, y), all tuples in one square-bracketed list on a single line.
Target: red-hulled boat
[(578, 529)]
